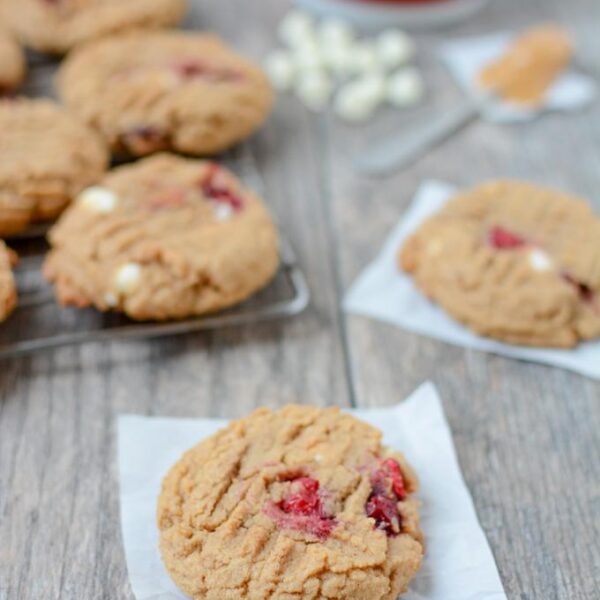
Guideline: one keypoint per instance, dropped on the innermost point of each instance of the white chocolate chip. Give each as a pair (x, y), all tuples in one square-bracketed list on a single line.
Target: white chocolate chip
[(394, 48), (351, 106), (307, 57), (314, 89), (405, 88), (372, 86), (280, 68), (296, 27), (358, 100), (222, 212), (98, 199), (364, 58), (337, 58), (335, 32), (540, 261), (127, 277)]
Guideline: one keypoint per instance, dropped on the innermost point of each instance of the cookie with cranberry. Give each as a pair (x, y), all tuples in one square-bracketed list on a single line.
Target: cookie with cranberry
[(47, 156), (8, 289), (146, 92), (513, 261), (56, 26), (12, 62), (164, 238), (299, 503)]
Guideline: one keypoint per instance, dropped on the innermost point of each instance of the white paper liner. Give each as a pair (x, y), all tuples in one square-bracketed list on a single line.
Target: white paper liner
[(383, 292), (458, 564), (466, 57)]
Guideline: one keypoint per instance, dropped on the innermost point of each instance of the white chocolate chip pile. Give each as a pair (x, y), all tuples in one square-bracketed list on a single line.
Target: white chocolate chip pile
[(324, 63)]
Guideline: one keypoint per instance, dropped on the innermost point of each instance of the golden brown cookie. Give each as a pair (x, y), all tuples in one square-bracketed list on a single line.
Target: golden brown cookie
[(47, 156), (56, 26), (8, 289), (12, 62), (164, 238), (302, 503), (525, 72), (513, 261), (147, 92)]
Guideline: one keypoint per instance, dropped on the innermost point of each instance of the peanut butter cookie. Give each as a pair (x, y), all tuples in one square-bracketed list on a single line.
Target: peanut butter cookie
[(302, 503), (513, 261), (146, 92), (8, 289), (164, 238), (47, 156), (12, 62), (56, 26)]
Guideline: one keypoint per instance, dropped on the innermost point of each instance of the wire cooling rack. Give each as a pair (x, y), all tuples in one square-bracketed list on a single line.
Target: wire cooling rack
[(38, 323)]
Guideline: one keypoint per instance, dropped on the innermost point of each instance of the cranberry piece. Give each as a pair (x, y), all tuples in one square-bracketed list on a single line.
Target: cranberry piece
[(194, 69), (304, 498), (395, 474), (388, 480), (385, 512), (388, 489), (586, 293), (502, 239), (217, 191), (302, 509), (145, 140), (189, 69)]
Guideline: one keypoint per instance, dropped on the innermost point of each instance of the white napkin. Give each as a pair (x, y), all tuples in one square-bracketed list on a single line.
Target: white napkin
[(385, 293), (466, 57), (458, 563)]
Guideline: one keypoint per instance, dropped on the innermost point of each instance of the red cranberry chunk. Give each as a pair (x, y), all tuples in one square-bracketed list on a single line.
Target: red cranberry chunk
[(304, 497), (302, 509), (190, 68), (392, 468), (385, 512), (388, 489), (215, 189), (387, 480), (145, 140), (586, 293), (503, 239)]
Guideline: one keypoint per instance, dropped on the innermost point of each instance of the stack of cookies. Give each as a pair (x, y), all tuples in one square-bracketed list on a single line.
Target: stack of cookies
[(164, 236)]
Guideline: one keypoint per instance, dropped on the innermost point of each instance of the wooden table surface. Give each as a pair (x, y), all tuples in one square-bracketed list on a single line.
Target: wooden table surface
[(527, 435)]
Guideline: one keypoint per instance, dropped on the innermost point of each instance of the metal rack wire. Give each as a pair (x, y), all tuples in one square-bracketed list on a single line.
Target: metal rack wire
[(288, 295)]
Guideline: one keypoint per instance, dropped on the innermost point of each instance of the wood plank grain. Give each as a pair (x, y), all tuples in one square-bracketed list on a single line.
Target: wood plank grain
[(59, 517), (527, 435), (521, 430)]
